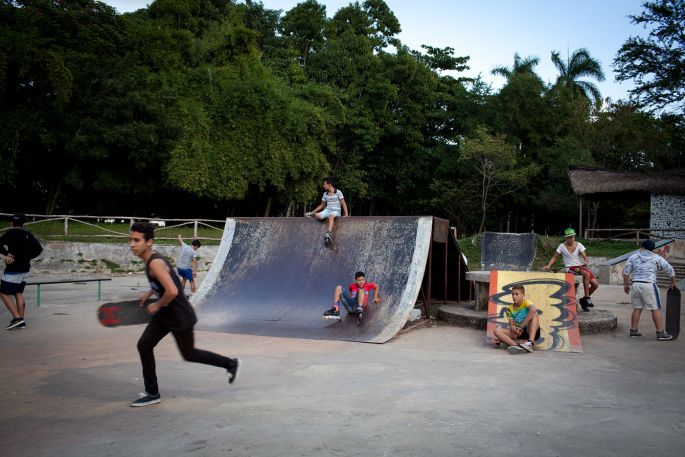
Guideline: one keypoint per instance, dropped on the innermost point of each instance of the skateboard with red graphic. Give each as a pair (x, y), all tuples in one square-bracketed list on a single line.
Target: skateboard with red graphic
[(121, 313)]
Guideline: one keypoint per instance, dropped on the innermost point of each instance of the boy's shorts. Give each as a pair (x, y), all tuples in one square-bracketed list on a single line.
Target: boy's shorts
[(645, 295), (185, 273), (579, 270), (13, 283), (525, 336), (327, 212), (349, 302)]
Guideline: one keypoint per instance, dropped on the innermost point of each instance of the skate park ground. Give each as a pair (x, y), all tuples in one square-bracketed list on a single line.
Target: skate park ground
[(437, 391)]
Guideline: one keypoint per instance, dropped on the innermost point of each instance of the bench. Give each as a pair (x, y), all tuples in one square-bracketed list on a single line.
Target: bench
[(40, 282)]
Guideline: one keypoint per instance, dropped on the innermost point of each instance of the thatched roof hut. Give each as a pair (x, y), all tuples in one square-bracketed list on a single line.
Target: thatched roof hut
[(586, 180)]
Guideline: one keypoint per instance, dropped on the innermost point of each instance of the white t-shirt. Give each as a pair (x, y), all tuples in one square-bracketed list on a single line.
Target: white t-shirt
[(571, 259), (185, 257), (333, 201)]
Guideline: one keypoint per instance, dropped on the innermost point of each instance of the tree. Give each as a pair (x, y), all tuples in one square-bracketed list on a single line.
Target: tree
[(656, 64), (303, 26), (521, 67), (580, 64), (497, 166)]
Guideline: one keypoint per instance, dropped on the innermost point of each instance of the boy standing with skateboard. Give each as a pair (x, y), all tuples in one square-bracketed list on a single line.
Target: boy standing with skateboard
[(524, 323), (642, 266), (572, 252), (171, 313), (356, 300), (329, 209), (186, 265), (19, 247)]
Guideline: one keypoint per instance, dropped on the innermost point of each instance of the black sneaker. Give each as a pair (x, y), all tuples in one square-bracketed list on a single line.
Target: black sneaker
[(146, 399), (663, 336), (233, 372), (16, 322), (583, 304), (332, 314), (328, 238), (588, 302), (636, 332)]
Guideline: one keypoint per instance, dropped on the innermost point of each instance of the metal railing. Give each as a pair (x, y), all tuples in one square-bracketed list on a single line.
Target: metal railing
[(114, 226), (636, 234)]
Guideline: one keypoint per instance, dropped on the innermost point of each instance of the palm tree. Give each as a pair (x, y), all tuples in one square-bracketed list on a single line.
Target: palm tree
[(580, 64), (521, 67)]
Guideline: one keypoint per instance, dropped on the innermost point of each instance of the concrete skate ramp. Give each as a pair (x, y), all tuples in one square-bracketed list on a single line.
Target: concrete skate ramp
[(275, 277), (507, 251)]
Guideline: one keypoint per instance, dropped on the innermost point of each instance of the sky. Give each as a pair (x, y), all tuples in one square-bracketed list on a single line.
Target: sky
[(491, 31)]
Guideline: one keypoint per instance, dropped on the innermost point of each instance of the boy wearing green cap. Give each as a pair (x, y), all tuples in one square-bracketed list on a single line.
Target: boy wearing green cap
[(575, 261)]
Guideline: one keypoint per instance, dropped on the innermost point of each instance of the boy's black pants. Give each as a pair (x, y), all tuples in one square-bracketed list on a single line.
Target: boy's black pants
[(185, 341)]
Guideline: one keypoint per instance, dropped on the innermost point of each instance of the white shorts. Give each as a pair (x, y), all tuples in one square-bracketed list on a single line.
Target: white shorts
[(645, 295), (327, 212)]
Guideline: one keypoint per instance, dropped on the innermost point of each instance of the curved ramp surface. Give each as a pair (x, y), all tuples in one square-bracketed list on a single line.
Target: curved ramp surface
[(274, 276)]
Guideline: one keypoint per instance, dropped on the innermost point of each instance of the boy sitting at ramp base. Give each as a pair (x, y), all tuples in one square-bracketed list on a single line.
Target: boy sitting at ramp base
[(356, 300), (523, 322)]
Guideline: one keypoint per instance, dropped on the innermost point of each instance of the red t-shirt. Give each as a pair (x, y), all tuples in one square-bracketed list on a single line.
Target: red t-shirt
[(368, 287)]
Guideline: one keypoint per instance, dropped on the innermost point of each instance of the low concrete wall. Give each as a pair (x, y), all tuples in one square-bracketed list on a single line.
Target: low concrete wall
[(61, 257)]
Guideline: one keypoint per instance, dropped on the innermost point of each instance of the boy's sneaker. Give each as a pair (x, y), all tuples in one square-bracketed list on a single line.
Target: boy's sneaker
[(233, 372), (588, 302), (518, 349), (16, 322), (527, 345), (332, 313), (636, 332), (146, 399), (663, 336), (583, 304)]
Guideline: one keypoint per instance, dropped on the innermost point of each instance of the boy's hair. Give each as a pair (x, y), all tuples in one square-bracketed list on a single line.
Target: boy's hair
[(196, 243), (147, 229), (329, 180), (359, 274), (519, 287), (18, 220)]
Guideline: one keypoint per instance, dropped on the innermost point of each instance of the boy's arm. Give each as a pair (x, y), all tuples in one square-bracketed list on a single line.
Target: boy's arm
[(376, 298), (193, 265), (583, 254), (551, 262), (344, 207), (145, 296), (180, 239), (161, 273), (315, 210), (532, 312)]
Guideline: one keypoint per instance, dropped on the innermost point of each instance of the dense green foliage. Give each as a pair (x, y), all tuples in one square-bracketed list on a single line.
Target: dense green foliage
[(208, 108)]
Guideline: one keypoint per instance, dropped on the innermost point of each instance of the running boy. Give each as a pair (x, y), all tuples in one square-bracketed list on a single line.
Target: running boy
[(19, 247), (171, 313), (356, 300), (643, 266), (572, 252), (329, 209), (186, 265), (523, 322)]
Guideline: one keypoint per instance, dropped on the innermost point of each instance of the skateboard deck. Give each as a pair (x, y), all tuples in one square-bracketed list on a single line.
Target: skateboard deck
[(129, 312), (673, 312)]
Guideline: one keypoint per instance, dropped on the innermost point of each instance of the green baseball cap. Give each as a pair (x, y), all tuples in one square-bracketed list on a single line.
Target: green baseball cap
[(569, 232)]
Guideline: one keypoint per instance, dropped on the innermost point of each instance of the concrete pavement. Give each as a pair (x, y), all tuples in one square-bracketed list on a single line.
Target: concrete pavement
[(67, 383)]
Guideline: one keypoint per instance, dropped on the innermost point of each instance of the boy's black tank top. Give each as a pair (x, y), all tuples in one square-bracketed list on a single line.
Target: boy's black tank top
[(179, 314)]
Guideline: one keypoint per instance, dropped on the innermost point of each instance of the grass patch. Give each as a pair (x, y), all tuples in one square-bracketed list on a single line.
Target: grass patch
[(99, 232), (113, 266)]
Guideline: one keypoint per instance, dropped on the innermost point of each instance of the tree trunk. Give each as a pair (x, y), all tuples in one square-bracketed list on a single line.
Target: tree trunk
[(52, 199), (267, 210)]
